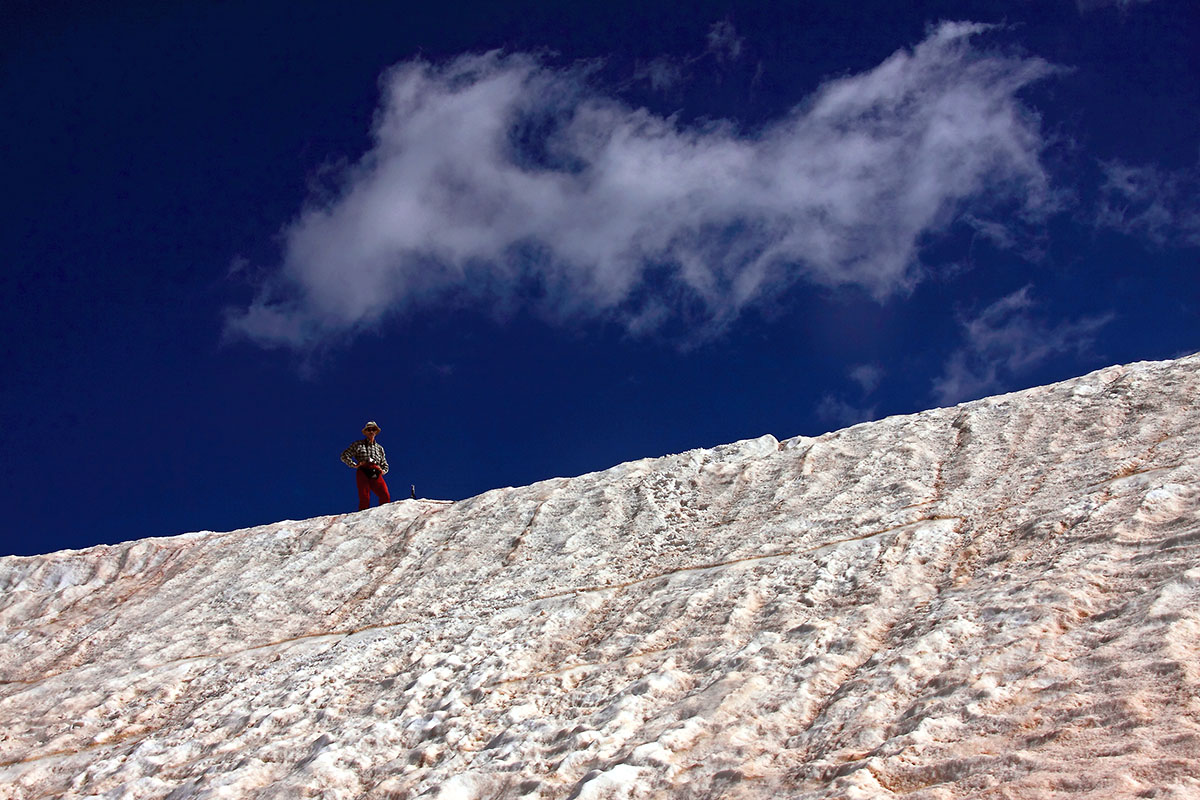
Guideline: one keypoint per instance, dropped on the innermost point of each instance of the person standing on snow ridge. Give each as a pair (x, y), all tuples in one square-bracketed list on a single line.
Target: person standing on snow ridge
[(367, 458)]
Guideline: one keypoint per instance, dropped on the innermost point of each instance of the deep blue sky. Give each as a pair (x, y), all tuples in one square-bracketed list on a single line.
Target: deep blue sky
[(699, 222)]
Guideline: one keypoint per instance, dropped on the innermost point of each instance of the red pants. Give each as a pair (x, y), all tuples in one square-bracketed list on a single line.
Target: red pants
[(367, 485)]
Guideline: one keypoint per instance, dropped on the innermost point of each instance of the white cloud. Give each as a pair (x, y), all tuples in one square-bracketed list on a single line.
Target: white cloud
[(1006, 340), (867, 376), (498, 179), (1157, 205)]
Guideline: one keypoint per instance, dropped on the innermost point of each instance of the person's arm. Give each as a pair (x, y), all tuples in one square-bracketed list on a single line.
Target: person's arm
[(383, 465), (348, 456)]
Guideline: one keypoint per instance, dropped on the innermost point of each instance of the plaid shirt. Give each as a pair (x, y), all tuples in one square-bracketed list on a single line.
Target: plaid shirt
[(363, 451)]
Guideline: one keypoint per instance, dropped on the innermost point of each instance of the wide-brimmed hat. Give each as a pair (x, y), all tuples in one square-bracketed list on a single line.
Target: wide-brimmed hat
[(370, 425)]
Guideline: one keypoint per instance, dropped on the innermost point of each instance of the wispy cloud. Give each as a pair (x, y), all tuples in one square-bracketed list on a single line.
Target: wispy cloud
[(662, 74), (838, 410), (867, 376), (1160, 206), (723, 42), (1005, 341), (497, 178), (1091, 5), (667, 73)]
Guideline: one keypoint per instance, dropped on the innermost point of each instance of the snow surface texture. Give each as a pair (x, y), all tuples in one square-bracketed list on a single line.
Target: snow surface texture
[(996, 600)]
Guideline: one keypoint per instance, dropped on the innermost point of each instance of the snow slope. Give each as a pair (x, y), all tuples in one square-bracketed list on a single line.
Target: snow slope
[(998, 600)]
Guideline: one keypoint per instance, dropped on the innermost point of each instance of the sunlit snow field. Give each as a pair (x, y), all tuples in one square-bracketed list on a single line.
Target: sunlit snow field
[(1000, 599)]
